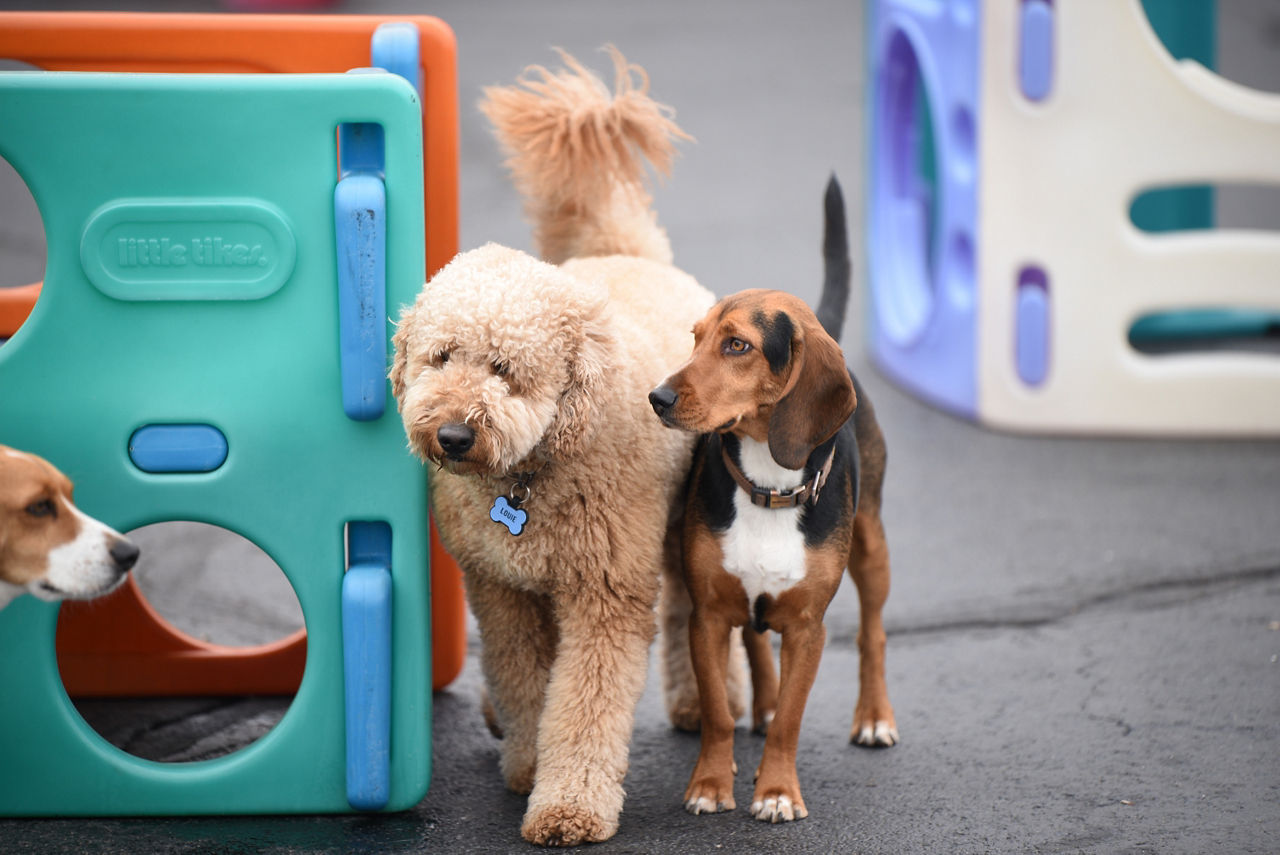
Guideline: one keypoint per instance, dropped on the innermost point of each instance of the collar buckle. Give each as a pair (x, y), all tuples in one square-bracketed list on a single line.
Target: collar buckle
[(765, 497), (770, 498)]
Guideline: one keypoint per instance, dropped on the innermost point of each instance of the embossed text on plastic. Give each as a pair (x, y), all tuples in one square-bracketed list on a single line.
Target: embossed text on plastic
[(211, 249)]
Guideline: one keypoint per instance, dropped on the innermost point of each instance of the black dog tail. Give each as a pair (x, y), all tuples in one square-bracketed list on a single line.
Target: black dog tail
[(837, 268)]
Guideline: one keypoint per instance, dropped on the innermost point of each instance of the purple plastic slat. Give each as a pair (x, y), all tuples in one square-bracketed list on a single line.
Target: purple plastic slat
[(1031, 333), (1035, 49)]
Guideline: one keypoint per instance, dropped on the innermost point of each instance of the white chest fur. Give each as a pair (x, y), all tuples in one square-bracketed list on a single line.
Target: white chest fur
[(765, 546)]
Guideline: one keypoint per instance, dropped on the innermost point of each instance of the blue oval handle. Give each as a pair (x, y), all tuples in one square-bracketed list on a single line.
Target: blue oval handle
[(178, 448)]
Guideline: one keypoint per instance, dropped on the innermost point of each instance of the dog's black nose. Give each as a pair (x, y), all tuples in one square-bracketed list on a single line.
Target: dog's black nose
[(456, 439), (662, 399), (124, 554)]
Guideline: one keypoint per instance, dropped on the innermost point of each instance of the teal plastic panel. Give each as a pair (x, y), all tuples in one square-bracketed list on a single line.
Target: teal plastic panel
[(225, 184)]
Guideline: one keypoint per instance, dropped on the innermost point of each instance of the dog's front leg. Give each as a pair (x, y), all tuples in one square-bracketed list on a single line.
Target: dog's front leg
[(518, 641), (777, 795), (596, 681), (679, 685)]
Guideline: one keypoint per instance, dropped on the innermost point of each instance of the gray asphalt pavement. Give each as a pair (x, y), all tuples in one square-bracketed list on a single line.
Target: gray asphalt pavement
[(1083, 633)]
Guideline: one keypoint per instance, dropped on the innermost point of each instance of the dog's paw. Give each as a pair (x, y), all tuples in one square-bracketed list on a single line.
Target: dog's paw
[(760, 721), (685, 716), (881, 733), (708, 794), (520, 780), (490, 716), (566, 825), (778, 807), (737, 701), (519, 768), (873, 723)]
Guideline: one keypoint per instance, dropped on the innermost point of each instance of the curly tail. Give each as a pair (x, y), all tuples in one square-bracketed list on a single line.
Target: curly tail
[(577, 152)]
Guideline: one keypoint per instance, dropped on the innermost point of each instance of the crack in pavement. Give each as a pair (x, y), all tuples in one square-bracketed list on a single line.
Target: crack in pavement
[(1198, 584)]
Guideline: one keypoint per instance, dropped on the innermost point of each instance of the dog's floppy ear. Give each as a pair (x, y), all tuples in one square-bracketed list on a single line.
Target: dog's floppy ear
[(589, 366), (816, 401), (400, 356)]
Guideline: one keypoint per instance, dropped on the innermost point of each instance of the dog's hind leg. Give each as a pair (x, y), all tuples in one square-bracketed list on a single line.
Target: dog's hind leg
[(518, 641), (490, 715), (873, 722), (764, 679)]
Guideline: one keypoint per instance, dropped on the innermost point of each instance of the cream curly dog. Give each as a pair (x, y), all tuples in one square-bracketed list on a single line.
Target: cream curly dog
[(525, 383)]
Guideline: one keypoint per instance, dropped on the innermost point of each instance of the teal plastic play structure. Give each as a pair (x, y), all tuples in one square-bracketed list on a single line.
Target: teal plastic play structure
[(193, 357)]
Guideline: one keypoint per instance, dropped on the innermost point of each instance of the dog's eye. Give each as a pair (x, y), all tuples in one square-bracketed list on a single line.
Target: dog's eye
[(42, 508), (502, 369), (439, 360), (736, 345)]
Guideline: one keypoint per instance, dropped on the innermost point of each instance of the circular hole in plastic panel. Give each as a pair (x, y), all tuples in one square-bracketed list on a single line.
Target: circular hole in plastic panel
[(215, 585), (226, 596), (905, 203), (22, 250)]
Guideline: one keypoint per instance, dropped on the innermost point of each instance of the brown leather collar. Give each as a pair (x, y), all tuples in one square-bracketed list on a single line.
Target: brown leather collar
[(770, 498)]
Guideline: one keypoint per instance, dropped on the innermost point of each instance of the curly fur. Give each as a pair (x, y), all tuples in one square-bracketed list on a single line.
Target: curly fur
[(577, 155), (548, 363)]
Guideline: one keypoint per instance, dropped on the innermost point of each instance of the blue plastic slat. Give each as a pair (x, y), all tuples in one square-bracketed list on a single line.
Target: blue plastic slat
[(394, 47), (178, 448), (360, 207), (360, 214), (366, 655), (1035, 49)]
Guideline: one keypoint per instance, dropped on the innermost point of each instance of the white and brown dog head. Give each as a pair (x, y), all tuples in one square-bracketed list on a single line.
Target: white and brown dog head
[(500, 361), (48, 546)]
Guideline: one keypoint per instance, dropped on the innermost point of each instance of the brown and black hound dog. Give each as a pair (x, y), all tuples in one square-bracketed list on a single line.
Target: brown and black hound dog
[(783, 495)]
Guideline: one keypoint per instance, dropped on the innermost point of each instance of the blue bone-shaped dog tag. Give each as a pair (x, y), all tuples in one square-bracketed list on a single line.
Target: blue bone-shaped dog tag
[(513, 518)]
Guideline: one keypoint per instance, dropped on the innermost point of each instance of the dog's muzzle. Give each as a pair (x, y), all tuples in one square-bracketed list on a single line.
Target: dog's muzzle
[(662, 399), (455, 439)]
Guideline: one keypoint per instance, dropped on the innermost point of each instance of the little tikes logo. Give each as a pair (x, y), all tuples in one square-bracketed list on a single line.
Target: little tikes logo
[(201, 252), (210, 249)]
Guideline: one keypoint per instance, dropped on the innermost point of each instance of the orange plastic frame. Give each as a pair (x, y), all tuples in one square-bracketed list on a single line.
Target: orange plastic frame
[(120, 646), (15, 305)]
